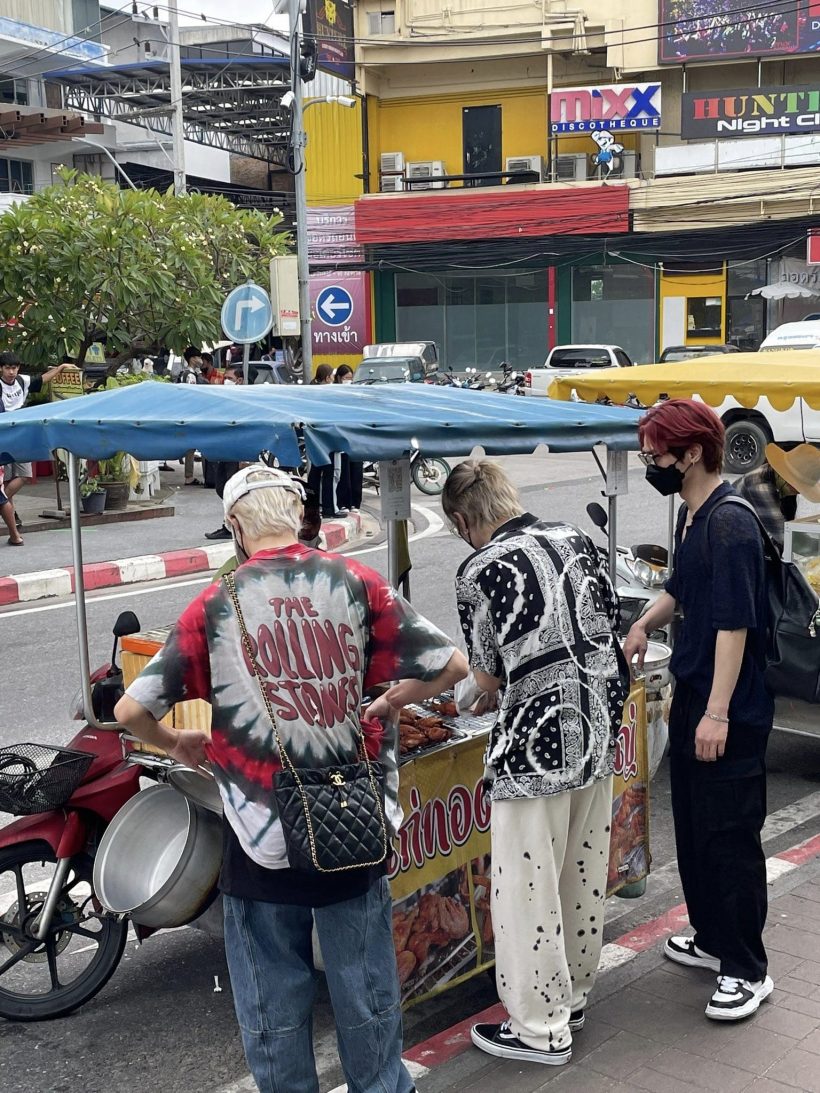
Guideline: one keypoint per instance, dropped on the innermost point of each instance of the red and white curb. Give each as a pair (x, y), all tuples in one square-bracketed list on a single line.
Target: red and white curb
[(49, 583), (456, 1040)]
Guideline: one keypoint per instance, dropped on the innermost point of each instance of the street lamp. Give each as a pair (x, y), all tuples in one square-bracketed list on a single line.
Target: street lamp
[(102, 148)]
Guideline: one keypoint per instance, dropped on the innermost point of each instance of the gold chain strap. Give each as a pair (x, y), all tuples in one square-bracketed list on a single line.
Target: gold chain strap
[(230, 584)]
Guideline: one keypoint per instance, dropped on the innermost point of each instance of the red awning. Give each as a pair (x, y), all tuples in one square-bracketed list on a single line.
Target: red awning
[(493, 212)]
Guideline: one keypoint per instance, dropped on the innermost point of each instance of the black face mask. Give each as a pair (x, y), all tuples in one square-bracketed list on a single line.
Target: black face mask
[(666, 480)]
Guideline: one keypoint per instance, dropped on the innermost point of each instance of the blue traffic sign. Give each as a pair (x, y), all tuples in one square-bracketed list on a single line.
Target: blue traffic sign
[(247, 314), (334, 305)]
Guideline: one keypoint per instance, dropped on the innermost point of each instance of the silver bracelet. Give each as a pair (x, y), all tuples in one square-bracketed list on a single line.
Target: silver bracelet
[(714, 717)]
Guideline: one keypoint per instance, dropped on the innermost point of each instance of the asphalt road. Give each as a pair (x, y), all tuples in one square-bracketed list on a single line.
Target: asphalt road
[(161, 1022)]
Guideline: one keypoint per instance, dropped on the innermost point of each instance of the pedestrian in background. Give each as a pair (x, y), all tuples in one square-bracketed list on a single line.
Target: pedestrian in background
[(773, 489), (321, 479), (270, 908), (721, 712), (351, 476), (15, 388), (539, 614), (191, 373)]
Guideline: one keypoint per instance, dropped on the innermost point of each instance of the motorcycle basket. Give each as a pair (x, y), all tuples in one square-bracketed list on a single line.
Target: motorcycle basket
[(38, 778)]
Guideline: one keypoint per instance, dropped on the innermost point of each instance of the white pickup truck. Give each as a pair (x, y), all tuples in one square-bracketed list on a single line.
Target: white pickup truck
[(563, 360), (748, 430)]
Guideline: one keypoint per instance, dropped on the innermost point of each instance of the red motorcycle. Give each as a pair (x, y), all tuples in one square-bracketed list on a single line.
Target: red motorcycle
[(58, 946)]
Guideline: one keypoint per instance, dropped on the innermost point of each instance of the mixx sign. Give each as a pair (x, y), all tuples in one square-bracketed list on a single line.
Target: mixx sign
[(750, 112), (614, 107)]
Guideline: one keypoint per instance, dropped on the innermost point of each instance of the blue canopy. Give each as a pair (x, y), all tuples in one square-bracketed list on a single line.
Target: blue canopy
[(153, 420)]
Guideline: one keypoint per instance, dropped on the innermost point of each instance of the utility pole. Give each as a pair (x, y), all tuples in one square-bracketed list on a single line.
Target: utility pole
[(177, 128), (299, 142)]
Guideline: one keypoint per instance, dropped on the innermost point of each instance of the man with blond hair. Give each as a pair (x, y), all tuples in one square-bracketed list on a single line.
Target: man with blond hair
[(538, 614), (325, 630)]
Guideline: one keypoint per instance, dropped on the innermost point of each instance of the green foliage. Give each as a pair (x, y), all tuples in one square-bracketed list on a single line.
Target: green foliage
[(115, 469), (89, 486), (149, 269)]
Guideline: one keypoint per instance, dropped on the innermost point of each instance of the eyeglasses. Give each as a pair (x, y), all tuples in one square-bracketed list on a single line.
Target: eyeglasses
[(649, 458)]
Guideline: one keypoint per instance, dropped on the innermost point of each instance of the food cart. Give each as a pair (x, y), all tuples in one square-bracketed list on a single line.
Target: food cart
[(779, 378), (440, 869)]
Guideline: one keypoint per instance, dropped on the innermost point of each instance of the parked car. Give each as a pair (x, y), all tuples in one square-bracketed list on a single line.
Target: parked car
[(390, 370), (563, 360), (803, 335), (674, 353)]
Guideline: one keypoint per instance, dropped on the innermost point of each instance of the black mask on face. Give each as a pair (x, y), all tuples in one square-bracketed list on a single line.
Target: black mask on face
[(666, 480)]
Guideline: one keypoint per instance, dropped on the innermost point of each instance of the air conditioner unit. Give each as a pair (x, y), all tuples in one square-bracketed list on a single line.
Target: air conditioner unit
[(391, 163), (391, 184), (631, 165), (426, 169), (571, 168), (529, 165)]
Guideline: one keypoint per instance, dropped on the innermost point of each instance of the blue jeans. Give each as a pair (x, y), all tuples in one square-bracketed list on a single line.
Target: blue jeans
[(270, 958)]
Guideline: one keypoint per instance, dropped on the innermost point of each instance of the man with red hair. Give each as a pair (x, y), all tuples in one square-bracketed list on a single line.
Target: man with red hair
[(722, 712)]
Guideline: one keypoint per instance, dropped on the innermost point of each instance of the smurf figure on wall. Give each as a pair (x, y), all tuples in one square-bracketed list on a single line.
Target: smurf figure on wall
[(608, 159)]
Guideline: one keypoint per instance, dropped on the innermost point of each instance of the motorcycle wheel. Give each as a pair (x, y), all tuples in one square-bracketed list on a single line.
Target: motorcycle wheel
[(50, 978), (430, 475)]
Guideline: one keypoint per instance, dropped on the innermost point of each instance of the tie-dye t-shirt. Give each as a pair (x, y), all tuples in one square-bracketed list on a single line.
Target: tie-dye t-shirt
[(325, 629)]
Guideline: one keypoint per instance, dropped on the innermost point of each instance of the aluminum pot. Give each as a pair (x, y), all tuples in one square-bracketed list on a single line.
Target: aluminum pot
[(159, 859)]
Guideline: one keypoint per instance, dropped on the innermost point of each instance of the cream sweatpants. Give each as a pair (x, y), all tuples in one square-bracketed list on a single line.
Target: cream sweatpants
[(550, 857)]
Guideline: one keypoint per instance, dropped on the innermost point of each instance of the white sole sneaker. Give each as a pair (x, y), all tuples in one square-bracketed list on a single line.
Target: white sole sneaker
[(683, 950), (743, 1003), (577, 1021), (498, 1041)]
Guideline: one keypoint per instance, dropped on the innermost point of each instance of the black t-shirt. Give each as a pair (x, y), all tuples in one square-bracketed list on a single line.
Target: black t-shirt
[(721, 585), (243, 878)]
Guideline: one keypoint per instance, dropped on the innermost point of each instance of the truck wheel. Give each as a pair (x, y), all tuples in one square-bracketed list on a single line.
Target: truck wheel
[(745, 446)]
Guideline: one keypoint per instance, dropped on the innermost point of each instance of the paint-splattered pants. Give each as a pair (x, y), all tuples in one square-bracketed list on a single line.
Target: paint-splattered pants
[(550, 859)]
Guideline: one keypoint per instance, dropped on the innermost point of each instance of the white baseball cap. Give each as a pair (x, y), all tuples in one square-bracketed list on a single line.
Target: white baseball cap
[(264, 477)]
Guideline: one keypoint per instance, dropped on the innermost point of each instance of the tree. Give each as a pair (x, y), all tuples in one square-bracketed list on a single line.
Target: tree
[(146, 269)]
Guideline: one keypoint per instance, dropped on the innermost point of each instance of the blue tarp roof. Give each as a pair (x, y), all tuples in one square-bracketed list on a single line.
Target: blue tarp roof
[(154, 420)]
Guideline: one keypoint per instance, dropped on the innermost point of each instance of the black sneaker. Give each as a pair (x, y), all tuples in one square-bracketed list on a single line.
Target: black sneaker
[(683, 950), (220, 533), (500, 1041), (737, 998), (576, 1020)]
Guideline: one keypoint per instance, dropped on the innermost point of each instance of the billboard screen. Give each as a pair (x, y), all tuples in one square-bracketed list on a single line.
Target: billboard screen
[(711, 30), (330, 24)]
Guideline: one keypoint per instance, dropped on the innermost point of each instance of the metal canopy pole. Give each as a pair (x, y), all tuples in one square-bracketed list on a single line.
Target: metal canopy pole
[(79, 594)]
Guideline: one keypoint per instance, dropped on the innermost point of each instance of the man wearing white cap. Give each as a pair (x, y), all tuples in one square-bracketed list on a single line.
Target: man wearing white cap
[(772, 489), (324, 630)]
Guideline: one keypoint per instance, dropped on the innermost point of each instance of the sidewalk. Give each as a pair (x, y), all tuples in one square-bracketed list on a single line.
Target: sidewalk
[(131, 551), (646, 1029)]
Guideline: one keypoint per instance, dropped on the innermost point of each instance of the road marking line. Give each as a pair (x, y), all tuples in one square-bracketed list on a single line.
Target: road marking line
[(434, 525)]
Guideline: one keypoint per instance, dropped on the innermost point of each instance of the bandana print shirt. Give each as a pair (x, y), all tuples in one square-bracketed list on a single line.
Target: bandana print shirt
[(324, 630), (538, 610)]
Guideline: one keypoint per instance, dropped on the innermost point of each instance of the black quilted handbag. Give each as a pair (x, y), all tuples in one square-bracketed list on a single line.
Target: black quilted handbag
[(332, 817)]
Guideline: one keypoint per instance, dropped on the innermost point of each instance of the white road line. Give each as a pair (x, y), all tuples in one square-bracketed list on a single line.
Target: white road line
[(434, 525)]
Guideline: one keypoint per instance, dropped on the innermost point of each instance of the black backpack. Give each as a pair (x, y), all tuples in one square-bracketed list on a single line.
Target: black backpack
[(793, 649)]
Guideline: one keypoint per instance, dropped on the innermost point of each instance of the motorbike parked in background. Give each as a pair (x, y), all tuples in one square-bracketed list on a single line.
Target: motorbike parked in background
[(428, 473), (641, 571), (512, 381)]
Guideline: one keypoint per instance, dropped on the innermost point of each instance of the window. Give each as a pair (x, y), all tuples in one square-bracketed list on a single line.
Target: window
[(704, 317), (14, 92), (615, 305), (16, 176), (622, 359), (381, 22)]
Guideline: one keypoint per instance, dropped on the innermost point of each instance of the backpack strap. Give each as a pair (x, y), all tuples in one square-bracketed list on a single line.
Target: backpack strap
[(770, 551), (19, 381)]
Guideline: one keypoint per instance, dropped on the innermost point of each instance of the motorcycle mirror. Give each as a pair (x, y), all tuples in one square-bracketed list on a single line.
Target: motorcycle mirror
[(597, 515), (127, 623)]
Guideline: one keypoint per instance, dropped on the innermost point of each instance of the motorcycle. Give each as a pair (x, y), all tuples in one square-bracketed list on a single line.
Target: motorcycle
[(512, 381), (429, 473), (641, 572), (58, 945)]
